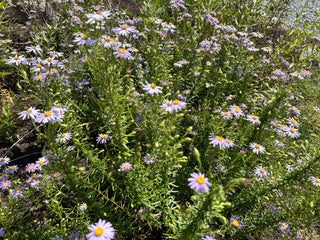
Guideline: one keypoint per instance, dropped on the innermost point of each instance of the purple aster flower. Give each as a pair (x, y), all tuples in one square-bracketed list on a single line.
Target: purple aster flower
[(31, 167), (217, 140), (17, 192), (253, 118), (122, 53), (149, 159), (11, 169), (261, 171), (315, 181), (103, 138), (36, 184), (199, 182), (29, 113), (64, 137), (299, 234), (126, 166), (141, 211), (256, 148), (5, 184), (101, 230), (236, 222), (273, 210), (4, 161), (152, 88), (208, 237), (283, 227), (83, 207), (74, 236)]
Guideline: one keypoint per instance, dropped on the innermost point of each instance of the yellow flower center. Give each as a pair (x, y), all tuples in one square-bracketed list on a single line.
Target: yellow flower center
[(37, 184), (283, 227), (39, 77), (16, 58), (293, 121), (235, 222), (318, 180), (73, 236), (176, 102), (122, 50), (84, 207), (41, 163), (153, 86), (228, 141), (237, 110), (200, 180), (63, 135), (38, 66), (109, 39), (49, 59), (258, 146), (11, 168), (103, 136), (262, 170), (292, 130), (124, 27), (226, 113), (307, 72), (18, 190), (142, 212), (98, 231), (84, 37), (2, 159), (47, 114), (126, 166), (28, 111), (30, 167), (255, 117), (5, 184)]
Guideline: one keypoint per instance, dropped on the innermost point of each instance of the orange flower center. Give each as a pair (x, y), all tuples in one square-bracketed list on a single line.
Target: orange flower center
[(84, 37), (28, 111), (47, 114), (153, 86)]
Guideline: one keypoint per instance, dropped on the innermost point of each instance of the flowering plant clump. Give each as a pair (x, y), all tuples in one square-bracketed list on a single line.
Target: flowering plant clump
[(191, 121)]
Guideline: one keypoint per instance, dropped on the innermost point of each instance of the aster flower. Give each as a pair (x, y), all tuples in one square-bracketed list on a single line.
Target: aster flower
[(315, 181), (199, 182), (17, 192), (103, 138), (16, 60), (299, 234), (5, 184), (226, 115), (261, 171), (124, 30), (74, 236), (152, 88), (59, 108), (141, 211), (11, 169), (36, 184), (83, 39), (2, 232), (256, 148), (283, 227), (292, 122), (63, 137), (273, 210), (4, 161), (217, 140), (208, 237), (31, 167), (34, 49), (83, 207), (236, 222), (149, 159), (122, 53), (253, 118), (101, 231), (29, 113), (98, 16), (126, 166), (57, 238), (292, 132)]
